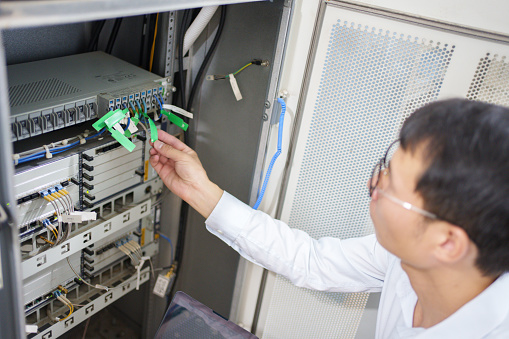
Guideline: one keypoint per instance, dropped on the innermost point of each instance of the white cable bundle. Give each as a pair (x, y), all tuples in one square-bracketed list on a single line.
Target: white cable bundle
[(198, 25)]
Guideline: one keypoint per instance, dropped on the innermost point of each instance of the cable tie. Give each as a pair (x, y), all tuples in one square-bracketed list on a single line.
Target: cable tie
[(48, 153), (64, 142), (82, 140), (101, 287)]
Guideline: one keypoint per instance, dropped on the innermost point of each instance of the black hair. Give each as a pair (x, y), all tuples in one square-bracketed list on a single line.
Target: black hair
[(466, 183)]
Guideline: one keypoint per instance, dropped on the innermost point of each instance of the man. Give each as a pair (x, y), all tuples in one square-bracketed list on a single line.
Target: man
[(440, 207)]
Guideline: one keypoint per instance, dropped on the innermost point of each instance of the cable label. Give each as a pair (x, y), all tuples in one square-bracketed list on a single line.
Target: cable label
[(235, 87)]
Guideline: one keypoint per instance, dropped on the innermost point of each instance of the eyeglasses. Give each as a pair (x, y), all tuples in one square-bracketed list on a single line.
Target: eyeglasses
[(382, 166)]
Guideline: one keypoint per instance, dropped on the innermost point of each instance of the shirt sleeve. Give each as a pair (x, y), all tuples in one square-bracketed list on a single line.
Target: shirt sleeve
[(326, 264)]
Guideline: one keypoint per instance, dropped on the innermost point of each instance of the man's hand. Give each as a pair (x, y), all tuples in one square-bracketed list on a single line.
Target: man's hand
[(182, 172)]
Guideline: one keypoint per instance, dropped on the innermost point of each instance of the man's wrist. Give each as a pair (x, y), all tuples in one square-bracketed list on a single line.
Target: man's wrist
[(206, 198)]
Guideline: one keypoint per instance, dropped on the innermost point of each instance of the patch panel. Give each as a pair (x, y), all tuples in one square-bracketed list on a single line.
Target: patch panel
[(35, 123), (135, 96), (53, 94)]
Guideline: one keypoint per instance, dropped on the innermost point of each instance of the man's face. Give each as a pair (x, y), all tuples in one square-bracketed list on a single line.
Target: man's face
[(400, 231)]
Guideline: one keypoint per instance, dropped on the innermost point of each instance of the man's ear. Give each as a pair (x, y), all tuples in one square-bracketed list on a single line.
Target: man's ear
[(452, 243)]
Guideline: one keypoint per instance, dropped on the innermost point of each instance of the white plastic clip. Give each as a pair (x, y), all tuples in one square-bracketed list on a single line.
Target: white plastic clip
[(48, 153), (82, 140), (15, 157), (138, 270)]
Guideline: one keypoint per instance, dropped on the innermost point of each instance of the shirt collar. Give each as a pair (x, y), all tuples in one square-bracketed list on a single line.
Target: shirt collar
[(476, 318)]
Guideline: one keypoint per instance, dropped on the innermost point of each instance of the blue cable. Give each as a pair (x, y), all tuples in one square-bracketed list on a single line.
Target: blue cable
[(145, 105), (171, 244), (276, 155), (160, 106), (139, 105), (56, 150), (132, 106)]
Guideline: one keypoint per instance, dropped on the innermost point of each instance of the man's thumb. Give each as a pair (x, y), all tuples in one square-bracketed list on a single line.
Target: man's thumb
[(168, 151)]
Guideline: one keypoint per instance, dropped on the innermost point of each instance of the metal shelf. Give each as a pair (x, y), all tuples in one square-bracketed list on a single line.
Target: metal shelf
[(18, 14)]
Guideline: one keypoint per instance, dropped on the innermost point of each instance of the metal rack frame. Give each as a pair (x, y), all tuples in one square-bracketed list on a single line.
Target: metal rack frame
[(23, 14)]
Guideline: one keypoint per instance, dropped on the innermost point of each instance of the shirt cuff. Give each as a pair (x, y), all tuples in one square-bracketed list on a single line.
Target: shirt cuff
[(228, 218)]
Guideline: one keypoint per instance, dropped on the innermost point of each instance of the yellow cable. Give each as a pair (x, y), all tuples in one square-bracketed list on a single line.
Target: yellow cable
[(153, 45), (249, 64), (71, 309), (49, 242), (53, 231)]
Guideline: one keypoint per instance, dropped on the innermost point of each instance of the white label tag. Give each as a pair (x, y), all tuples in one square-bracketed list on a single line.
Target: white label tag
[(132, 127), (118, 128), (77, 217), (161, 286), (124, 121), (178, 110), (235, 87)]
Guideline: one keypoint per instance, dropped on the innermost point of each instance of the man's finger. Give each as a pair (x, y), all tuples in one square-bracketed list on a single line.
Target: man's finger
[(172, 141), (169, 151)]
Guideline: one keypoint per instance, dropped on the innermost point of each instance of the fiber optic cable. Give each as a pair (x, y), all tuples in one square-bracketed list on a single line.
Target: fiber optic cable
[(53, 147), (139, 105), (276, 155), (144, 106), (71, 307), (153, 45), (100, 287), (46, 240), (135, 112), (160, 106), (57, 211), (50, 228), (169, 241), (55, 150)]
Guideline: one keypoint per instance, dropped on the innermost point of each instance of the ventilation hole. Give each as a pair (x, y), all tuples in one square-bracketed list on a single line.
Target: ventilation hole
[(39, 90), (490, 82)]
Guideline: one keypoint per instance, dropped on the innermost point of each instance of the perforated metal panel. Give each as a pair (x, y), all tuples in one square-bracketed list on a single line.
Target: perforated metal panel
[(369, 73), (491, 80), (366, 80), (39, 90), (372, 79)]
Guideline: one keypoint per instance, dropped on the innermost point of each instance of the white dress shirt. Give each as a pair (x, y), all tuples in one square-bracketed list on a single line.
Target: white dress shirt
[(353, 265)]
